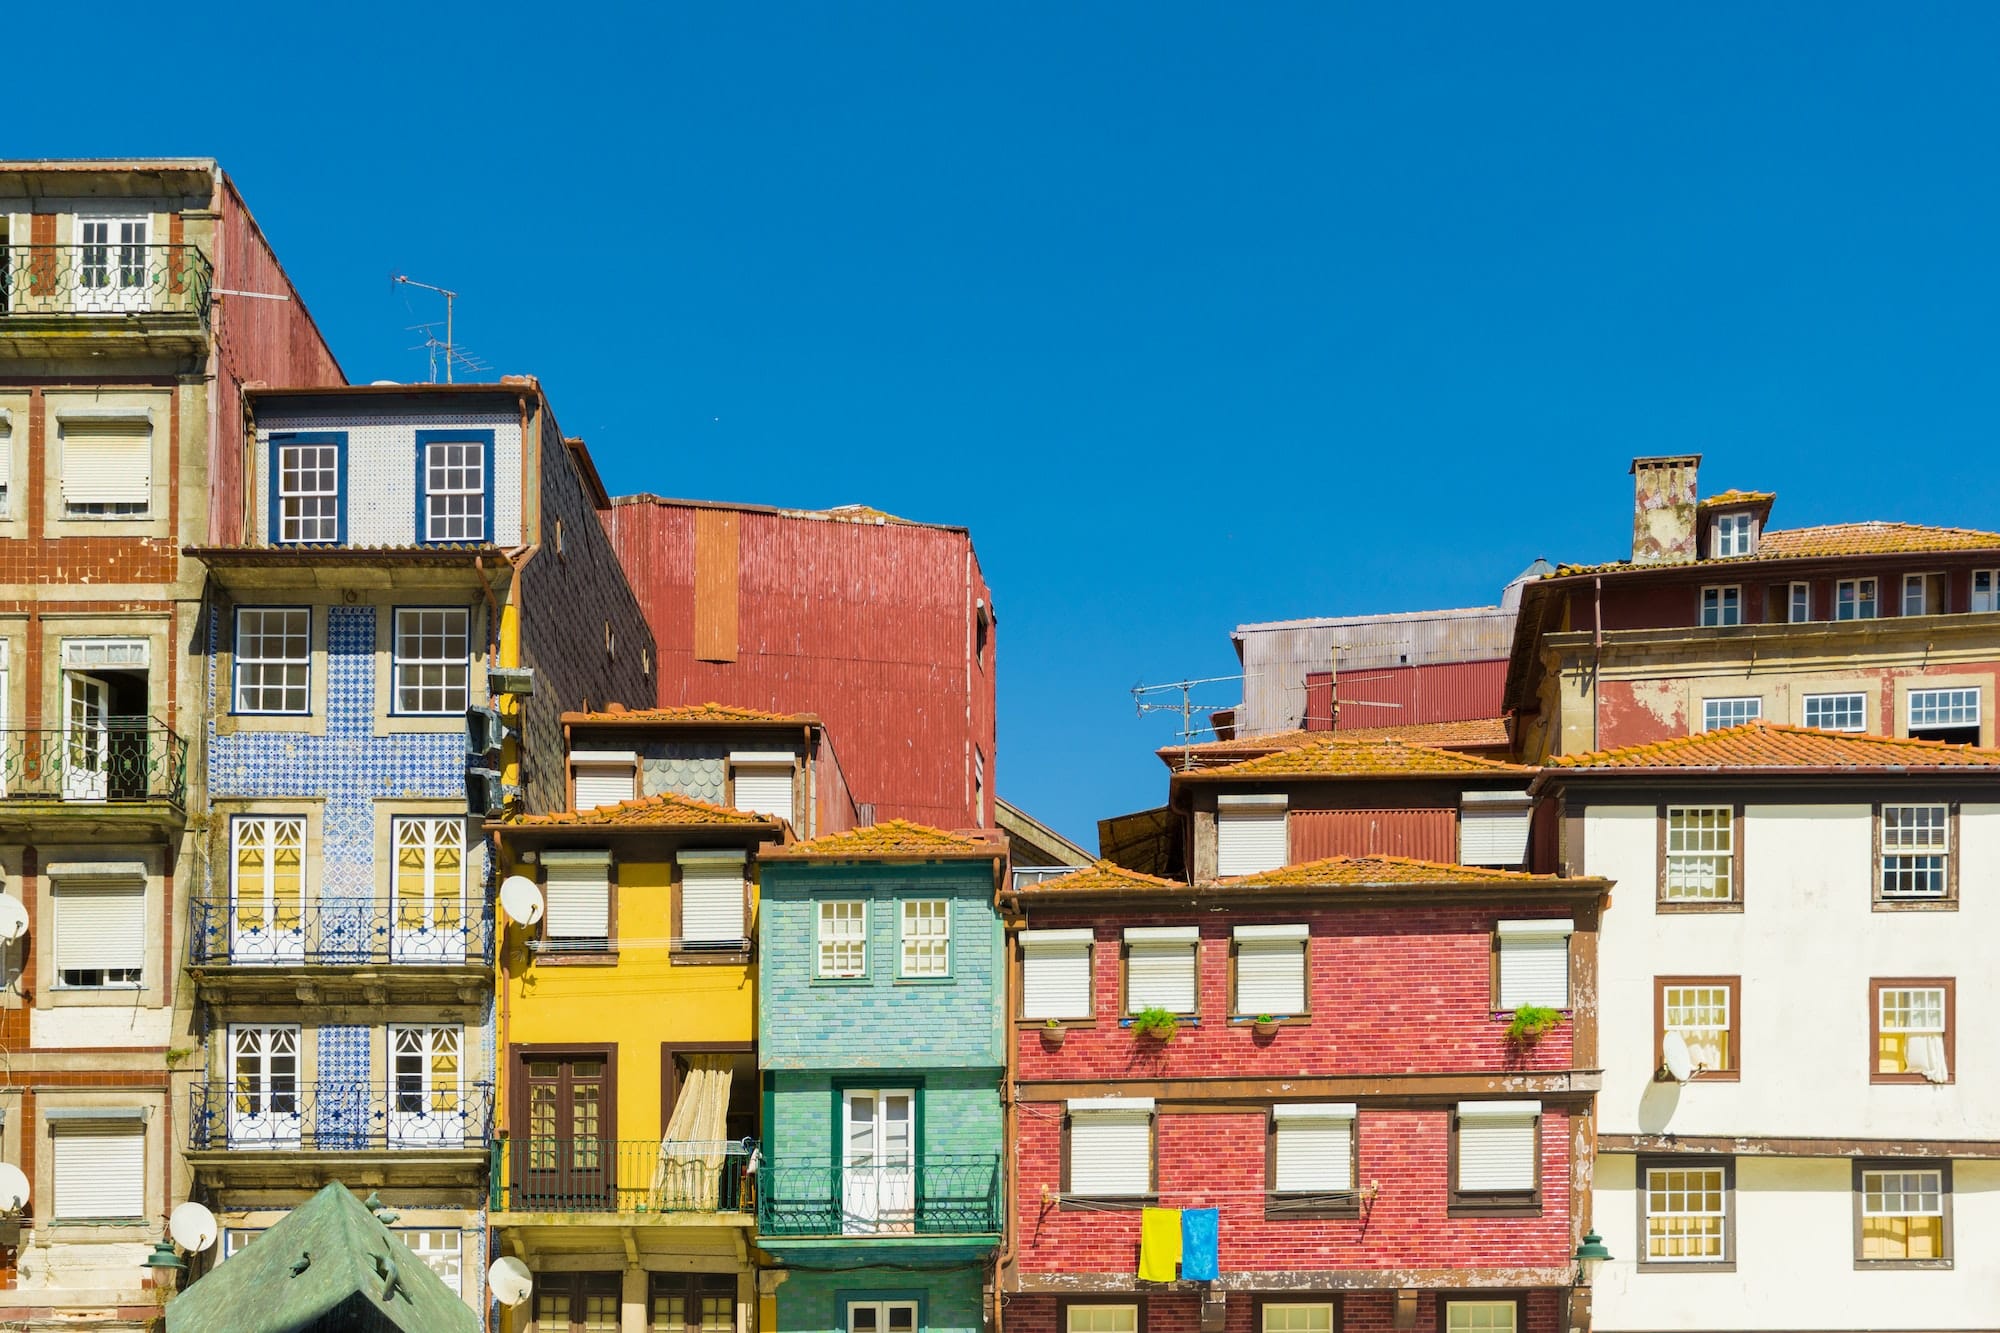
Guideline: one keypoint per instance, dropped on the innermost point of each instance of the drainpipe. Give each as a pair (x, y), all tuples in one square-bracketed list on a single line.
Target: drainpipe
[(1010, 1111), (1596, 658)]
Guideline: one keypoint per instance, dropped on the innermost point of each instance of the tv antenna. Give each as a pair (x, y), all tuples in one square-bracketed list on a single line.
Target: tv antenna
[(445, 349), (1143, 699)]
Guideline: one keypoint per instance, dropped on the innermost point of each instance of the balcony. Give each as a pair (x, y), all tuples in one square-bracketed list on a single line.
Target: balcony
[(124, 773), (281, 1131), (941, 1195), (634, 1179), (331, 950), (78, 298)]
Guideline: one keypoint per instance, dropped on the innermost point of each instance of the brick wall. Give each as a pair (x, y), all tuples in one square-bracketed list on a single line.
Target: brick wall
[(1359, 1312)]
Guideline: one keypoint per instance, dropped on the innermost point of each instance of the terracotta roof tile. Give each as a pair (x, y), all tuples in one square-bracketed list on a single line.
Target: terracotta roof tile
[(1337, 756), (1776, 745), (891, 838), (1832, 539), (1736, 497), (666, 810), (1476, 734), (698, 713), (1100, 878), (1362, 871)]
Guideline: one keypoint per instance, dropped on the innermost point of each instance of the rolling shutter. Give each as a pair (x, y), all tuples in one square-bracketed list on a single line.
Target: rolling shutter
[(579, 898), (1055, 973), (1249, 834), (1493, 829), (1315, 1152), (6, 458), (100, 1169), (1496, 1146), (1271, 971), (1111, 1146), (711, 898), (1534, 963), (604, 778), (763, 784), (100, 925), (107, 461), (1159, 968)]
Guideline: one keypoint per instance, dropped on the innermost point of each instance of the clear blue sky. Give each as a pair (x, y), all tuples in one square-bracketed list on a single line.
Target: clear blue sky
[(1194, 314)]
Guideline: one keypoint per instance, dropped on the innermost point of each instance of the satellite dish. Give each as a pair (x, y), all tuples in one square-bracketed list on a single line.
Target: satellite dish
[(13, 1188), (522, 902), (510, 1279), (1674, 1053), (13, 918), (192, 1227)]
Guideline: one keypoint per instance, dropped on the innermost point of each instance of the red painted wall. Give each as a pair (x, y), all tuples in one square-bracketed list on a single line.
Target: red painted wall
[(1428, 835), (1438, 692)]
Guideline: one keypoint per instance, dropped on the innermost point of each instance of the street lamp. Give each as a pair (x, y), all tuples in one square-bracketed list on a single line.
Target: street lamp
[(1590, 1256)]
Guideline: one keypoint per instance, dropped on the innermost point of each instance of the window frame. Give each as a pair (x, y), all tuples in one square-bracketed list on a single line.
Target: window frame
[(1925, 583), (1805, 707), (484, 440), (819, 941), (1296, 1205), (1072, 1201), (1992, 577), (1794, 591), (721, 950), (1125, 1009), (397, 662), (1136, 1303), (1910, 723), (1686, 1162), (1086, 1019), (1723, 594), (1941, 1165), (84, 884), (1237, 1013), (1663, 814), (1944, 902), (1876, 985), (1851, 590), (1734, 985), (274, 485), (559, 952), (903, 938), (689, 1287), (236, 662), (1741, 529), (1330, 1300), (579, 1285), (1447, 1299), (1489, 1203), (1496, 998), (1756, 703)]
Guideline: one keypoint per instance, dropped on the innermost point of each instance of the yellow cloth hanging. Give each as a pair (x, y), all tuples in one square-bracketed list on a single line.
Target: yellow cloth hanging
[(1159, 1244)]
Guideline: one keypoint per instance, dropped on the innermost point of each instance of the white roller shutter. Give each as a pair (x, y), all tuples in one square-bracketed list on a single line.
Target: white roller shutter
[(1111, 1147), (1055, 973), (1315, 1147), (100, 1169), (1493, 829), (1496, 1146), (1160, 968), (1249, 834), (107, 461), (1534, 963), (100, 925), (6, 460), (711, 898), (604, 777), (763, 784), (1271, 971), (578, 889)]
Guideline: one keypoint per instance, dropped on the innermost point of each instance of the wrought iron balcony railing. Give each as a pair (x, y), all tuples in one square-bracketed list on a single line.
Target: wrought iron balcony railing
[(279, 1114), (110, 278), (334, 932), (120, 760), (955, 1194), (625, 1176)]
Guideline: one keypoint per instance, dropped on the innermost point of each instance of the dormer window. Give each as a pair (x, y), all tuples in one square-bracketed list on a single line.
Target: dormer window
[(1734, 534), (453, 472)]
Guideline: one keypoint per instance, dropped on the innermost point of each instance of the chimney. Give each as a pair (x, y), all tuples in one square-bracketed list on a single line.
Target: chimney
[(1663, 509), (1319, 701)]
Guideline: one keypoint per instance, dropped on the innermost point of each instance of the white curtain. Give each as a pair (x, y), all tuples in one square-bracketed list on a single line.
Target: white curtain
[(1705, 1047), (691, 1153), (1927, 1056)]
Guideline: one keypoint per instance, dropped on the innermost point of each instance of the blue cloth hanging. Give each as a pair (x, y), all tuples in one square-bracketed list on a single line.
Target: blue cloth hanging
[(1200, 1244)]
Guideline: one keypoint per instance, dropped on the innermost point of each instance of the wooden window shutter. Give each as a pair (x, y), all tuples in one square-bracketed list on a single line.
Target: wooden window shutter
[(1055, 973)]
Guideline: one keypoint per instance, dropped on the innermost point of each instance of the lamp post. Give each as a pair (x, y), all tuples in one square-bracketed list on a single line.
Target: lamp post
[(1590, 1256)]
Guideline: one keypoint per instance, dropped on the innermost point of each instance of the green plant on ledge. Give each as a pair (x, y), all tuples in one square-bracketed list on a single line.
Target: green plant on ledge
[(1155, 1022), (1531, 1023)]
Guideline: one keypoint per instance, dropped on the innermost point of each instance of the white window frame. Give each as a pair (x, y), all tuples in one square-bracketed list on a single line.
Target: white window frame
[(449, 457), (1943, 706), (1679, 1184), (1317, 1317), (1798, 603), (1985, 590), (442, 1250), (840, 939), (1166, 942), (1722, 605), (1481, 1316), (1853, 597), (1903, 1184), (1286, 948), (1916, 852), (1117, 1121), (1125, 1320), (296, 461), (1524, 947), (1920, 586), (1735, 711), (1935, 1000), (1734, 535), (1840, 704), (882, 1311), (1703, 840), (924, 953), (295, 630), (1679, 999), (1059, 950), (453, 690)]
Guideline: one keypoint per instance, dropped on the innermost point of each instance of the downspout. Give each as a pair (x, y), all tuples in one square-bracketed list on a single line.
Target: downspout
[(1010, 1114), (1596, 659)]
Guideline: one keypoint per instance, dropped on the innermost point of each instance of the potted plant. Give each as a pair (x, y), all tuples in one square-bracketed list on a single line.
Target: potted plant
[(1155, 1024), (1264, 1025), (1531, 1022), (1053, 1033)]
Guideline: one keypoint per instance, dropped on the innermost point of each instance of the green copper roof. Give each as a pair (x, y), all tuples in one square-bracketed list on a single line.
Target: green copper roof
[(329, 1265)]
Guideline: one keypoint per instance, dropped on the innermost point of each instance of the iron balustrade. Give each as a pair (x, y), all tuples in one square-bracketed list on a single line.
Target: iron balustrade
[(111, 278), (324, 931), (951, 1194), (625, 1176), (280, 1114), (121, 760)]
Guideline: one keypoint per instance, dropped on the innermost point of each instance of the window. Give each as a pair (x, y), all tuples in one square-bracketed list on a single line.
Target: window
[(1270, 971), (1854, 599), (603, 777), (107, 467), (1286, 1317), (1916, 854), (843, 939), (454, 489), (273, 659), (1700, 863), (1249, 834), (112, 269), (1160, 968), (1311, 1166), (1912, 1039), (1481, 1316), (1799, 602), (1055, 973), (881, 1317), (1837, 712), (440, 1251), (1493, 828), (1534, 963), (1945, 715), (426, 1078), (577, 887), (1496, 1149), (978, 787), (1110, 1148), (1719, 713), (762, 784), (6, 432), (578, 1302), (693, 1303), (1102, 1319), (1702, 1011), (1904, 1213), (433, 660), (1722, 606), (305, 497), (1734, 535), (101, 931), (267, 888), (927, 938), (711, 902), (1923, 594), (1986, 590), (235, 1238), (429, 911), (1684, 1212), (100, 1165)]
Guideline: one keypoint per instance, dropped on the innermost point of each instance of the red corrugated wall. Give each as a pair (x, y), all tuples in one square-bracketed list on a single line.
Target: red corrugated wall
[(1440, 692), (1427, 835), (871, 626)]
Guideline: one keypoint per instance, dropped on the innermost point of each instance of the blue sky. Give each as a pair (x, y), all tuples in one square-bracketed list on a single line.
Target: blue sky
[(1194, 314)]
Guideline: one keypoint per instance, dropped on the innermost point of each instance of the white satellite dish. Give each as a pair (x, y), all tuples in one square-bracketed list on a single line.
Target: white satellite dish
[(510, 1279), (1674, 1053), (13, 1188), (192, 1227), (522, 902), (13, 918)]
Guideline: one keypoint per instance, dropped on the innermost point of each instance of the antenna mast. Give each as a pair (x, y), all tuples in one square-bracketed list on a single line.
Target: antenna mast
[(1186, 707), (452, 354)]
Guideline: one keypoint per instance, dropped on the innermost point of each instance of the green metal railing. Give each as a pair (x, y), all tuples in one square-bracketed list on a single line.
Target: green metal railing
[(110, 278), (950, 1194), (122, 760), (629, 1176)]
